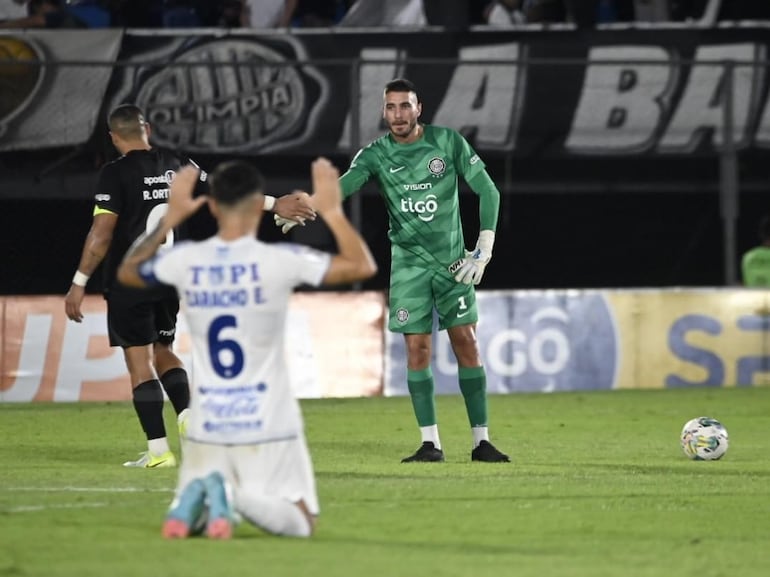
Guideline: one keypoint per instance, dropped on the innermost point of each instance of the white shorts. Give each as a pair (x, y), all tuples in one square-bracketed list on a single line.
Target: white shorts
[(279, 469)]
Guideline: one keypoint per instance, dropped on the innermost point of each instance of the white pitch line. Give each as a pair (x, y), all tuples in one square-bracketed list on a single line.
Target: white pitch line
[(84, 490), (35, 508)]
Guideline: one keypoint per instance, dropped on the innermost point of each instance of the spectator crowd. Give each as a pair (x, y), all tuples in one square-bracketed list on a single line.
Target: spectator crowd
[(350, 13), (591, 12), (171, 13)]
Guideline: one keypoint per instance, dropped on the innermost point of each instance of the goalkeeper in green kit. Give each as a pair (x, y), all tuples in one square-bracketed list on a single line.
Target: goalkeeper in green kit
[(417, 167)]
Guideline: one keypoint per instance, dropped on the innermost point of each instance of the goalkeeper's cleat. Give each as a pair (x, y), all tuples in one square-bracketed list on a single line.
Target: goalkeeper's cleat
[(147, 460), (427, 453), (185, 511), (487, 453), (181, 422), (221, 516)]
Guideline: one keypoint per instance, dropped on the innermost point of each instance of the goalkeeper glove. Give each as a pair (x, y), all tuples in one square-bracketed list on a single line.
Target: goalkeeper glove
[(472, 266), (286, 224)]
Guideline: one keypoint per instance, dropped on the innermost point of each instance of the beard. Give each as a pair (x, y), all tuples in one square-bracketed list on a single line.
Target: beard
[(403, 130)]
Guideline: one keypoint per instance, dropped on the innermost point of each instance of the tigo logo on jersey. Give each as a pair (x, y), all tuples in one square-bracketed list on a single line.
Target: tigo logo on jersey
[(424, 209)]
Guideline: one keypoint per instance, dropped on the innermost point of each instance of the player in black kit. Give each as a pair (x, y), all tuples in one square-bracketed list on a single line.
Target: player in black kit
[(131, 197)]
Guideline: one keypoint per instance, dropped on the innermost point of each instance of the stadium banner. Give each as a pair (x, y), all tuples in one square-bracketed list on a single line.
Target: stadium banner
[(567, 340), (45, 357), (552, 93), (45, 103)]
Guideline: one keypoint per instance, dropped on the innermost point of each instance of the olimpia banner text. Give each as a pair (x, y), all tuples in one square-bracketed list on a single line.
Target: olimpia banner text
[(631, 92)]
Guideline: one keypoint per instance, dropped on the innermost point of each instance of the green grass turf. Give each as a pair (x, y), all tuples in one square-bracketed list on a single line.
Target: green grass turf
[(598, 487)]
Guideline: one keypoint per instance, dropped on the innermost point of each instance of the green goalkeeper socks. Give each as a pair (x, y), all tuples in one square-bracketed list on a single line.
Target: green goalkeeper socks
[(421, 391), (473, 385)]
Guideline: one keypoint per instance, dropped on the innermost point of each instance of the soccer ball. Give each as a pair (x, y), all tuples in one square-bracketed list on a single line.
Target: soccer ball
[(704, 439)]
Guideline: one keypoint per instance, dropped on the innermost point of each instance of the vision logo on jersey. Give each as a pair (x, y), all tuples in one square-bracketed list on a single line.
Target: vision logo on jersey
[(437, 166), (424, 209)]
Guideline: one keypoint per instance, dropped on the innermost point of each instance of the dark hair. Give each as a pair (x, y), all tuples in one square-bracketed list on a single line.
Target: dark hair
[(401, 85), (234, 180), (764, 228), (127, 121)]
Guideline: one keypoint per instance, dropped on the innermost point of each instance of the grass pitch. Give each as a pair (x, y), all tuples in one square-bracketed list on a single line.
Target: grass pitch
[(598, 487)]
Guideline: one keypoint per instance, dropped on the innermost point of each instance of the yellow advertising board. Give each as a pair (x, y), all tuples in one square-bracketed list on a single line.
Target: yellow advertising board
[(693, 337)]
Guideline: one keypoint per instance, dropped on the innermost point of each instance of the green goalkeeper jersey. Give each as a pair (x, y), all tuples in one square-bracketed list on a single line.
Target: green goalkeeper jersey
[(419, 182), (756, 267)]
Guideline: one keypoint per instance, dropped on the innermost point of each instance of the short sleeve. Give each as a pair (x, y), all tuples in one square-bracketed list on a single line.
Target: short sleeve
[(309, 265), (168, 266), (109, 192)]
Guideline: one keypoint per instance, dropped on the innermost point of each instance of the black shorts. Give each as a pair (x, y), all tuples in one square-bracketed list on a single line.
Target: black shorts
[(141, 319)]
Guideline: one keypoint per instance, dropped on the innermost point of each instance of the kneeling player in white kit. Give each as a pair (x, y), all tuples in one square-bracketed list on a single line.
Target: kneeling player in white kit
[(245, 448)]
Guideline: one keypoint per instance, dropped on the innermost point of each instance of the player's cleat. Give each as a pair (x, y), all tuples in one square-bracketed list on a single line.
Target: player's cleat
[(487, 453), (147, 460), (181, 422), (219, 529), (220, 523), (175, 529), (185, 511), (427, 453)]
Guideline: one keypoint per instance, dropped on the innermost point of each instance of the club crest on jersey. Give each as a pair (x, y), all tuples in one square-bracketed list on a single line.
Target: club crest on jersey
[(402, 315), (437, 166), (170, 174)]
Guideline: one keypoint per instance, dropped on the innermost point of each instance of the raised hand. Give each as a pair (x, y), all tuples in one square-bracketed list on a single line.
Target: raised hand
[(181, 204), (327, 195)]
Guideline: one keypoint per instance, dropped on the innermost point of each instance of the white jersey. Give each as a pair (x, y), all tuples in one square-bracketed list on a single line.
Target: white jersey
[(235, 296)]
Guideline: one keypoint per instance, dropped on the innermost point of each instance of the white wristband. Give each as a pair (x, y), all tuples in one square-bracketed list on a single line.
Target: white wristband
[(80, 279), (269, 202)]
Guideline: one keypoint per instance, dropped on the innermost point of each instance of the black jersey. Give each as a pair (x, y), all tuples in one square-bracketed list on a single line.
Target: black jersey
[(136, 188)]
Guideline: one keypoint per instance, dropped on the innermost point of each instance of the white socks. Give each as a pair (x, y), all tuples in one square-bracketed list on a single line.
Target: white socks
[(158, 446), (273, 514), (479, 434), (430, 433)]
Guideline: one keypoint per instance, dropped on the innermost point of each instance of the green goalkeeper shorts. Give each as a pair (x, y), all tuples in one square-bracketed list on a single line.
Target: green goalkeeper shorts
[(416, 291)]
